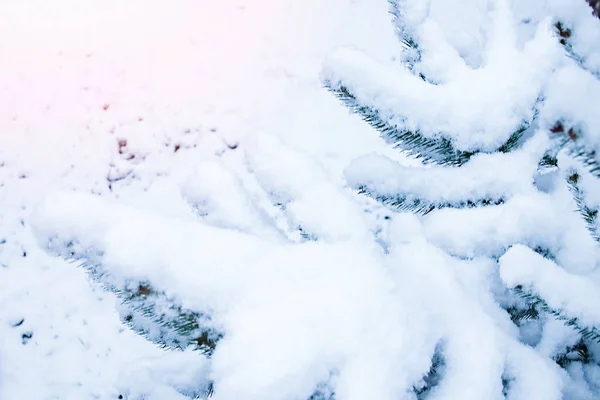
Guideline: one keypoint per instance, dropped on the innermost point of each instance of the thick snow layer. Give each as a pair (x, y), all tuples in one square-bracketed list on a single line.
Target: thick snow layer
[(268, 298), (478, 108), (481, 69), (484, 177), (350, 308), (574, 294), (146, 102), (572, 99), (192, 146)]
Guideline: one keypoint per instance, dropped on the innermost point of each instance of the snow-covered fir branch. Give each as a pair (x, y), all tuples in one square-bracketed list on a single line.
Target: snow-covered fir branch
[(588, 213), (265, 273), (385, 96)]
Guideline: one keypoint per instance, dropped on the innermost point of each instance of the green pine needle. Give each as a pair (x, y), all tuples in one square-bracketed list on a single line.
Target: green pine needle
[(157, 317), (587, 158), (589, 215), (434, 375), (590, 333), (438, 151), (422, 206), (564, 34)]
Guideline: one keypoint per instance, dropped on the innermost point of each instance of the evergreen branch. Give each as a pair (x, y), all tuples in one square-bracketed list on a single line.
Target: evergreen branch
[(576, 353), (158, 317), (322, 392), (546, 253), (433, 376), (587, 158), (516, 138), (318, 395), (306, 235), (548, 161), (208, 392), (413, 143), (589, 215), (530, 313), (591, 333), (422, 206), (410, 45), (400, 203), (564, 33), (396, 14), (437, 151), (570, 140), (518, 315), (324, 389)]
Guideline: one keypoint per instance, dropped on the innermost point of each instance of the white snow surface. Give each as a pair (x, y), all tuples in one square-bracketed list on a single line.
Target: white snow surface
[(477, 179), (486, 70), (193, 145), (78, 78), (574, 294)]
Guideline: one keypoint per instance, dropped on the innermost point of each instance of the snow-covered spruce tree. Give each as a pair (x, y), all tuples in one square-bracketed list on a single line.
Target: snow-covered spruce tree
[(253, 258), (499, 100)]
